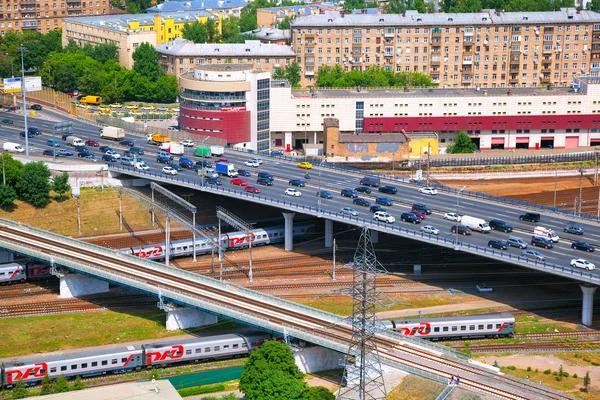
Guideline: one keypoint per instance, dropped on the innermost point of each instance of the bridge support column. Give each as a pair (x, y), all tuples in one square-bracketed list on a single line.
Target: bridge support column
[(587, 310), (6, 257), (75, 285), (183, 318), (317, 358), (289, 230), (374, 237), (328, 233)]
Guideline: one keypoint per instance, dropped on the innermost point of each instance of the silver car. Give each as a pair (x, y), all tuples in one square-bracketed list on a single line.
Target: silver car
[(430, 229), (534, 254), (517, 242), (349, 211)]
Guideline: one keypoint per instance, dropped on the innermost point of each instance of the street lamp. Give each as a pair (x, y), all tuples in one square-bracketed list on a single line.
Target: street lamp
[(305, 138), (457, 221), (23, 50), (555, 178)]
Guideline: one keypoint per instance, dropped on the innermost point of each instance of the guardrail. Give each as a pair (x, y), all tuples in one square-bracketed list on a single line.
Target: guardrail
[(380, 226)]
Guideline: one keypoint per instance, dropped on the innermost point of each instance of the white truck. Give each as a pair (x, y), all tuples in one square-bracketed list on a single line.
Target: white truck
[(475, 224), (112, 133), (13, 147), (175, 148), (75, 141), (217, 150)]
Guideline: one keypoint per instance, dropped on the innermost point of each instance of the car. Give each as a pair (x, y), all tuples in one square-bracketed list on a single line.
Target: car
[(115, 105), (50, 152), (374, 209), (428, 190), (92, 143), (541, 242), (147, 108), (462, 230), (90, 157), (34, 130), (258, 161), (276, 153), (383, 216), (265, 175), (131, 106), (109, 157), (36, 107), (126, 142), (136, 150), (516, 242), (238, 182), (163, 159), (384, 201), (388, 189), (214, 181), (574, 229), (64, 152), (169, 170), (264, 181), (582, 246), (361, 202), (581, 263), (187, 143), (430, 229), (304, 165), (161, 108), (296, 182), (250, 163), (349, 211), (6, 121), (324, 194), (244, 172), (500, 225), (452, 217), (252, 189), (82, 154), (534, 254), (498, 244), (173, 128), (293, 192), (349, 193), (176, 109), (176, 167), (104, 149), (419, 214), (29, 134), (223, 160), (530, 216), (204, 164), (81, 149), (113, 153), (53, 143), (410, 217), (363, 189)]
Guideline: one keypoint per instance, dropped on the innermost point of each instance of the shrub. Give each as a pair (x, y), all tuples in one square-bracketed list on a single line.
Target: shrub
[(565, 374), (511, 367), (528, 369), (496, 364), (575, 376), (547, 372), (193, 391)]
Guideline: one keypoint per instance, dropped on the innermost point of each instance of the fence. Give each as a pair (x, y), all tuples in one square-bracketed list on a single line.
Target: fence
[(512, 160)]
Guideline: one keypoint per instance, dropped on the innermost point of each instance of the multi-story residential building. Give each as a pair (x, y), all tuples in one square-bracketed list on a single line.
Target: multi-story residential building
[(46, 15), (224, 8), (271, 35), (181, 56), (487, 49), (271, 17), (128, 31)]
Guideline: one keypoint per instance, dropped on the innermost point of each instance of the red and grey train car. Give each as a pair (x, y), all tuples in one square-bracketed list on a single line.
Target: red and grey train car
[(19, 271)]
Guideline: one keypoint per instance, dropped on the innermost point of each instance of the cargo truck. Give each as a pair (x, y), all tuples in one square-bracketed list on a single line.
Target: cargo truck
[(93, 100), (112, 133), (226, 169), (157, 138), (217, 150), (475, 224), (13, 147), (202, 152), (172, 148)]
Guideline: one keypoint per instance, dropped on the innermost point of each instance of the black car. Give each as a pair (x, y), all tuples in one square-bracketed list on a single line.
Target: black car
[(176, 167), (29, 134), (374, 209), (384, 201), (410, 217), (109, 157), (84, 154), (530, 216), (296, 182), (214, 181), (81, 149), (498, 244), (128, 153), (50, 153), (264, 181), (541, 242), (6, 121), (244, 172), (126, 142), (363, 189), (349, 193), (66, 136), (500, 225), (462, 230), (34, 130), (203, 163), (163, 160), (361, 202), (265, 175), (388, 189), (104, 149), (36, 107), (582, 246), (137, 150)]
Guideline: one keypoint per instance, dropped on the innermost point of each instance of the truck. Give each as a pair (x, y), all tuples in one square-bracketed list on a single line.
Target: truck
[(226, 169), (172, 147), (157, 138), (202, 152), (475, 224), (93, 100), (217, 150), (112, 133), (13, 147), (373, 181), (75, 141)]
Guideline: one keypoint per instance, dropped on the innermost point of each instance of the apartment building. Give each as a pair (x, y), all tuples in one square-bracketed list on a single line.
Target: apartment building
[(224, 8), (181, 56), (46, 15), (486, 49)]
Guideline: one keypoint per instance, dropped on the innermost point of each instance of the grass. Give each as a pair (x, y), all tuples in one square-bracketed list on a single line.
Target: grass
[(416, 388), (527, 325), (99, 214)]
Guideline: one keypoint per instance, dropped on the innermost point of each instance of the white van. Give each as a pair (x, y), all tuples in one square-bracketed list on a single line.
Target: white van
[(545, 233), (75, 141), (141, 166), (210, 173), (475, 224), (13, 147)]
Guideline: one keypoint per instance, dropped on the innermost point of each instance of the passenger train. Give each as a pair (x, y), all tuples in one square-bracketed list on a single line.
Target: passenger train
[(498, 325), (20, 271), (231, 241), (129, 358)]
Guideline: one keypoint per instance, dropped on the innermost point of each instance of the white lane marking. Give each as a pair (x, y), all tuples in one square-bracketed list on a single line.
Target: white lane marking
[(510, 212)]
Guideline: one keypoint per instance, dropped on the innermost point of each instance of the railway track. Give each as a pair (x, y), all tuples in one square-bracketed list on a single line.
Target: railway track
[(590, 345), (429, 361)]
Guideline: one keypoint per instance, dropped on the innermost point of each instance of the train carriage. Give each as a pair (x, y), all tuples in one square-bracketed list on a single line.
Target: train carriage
[(12, 273)]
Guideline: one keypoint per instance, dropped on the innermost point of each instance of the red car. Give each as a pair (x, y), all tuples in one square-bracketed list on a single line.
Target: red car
[(419, 214), (223, 160), (92, 143), (238, 181), (252, 189)]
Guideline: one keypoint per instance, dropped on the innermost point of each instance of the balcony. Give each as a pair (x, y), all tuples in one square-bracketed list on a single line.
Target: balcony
[(467, 61), (309, 73), (546, 70), (514, 67), (356, 60), (545, 79), (513, 79), (73, 1), (30, 25), (389, 34), (27, 2), (436, 32), (466, 78)]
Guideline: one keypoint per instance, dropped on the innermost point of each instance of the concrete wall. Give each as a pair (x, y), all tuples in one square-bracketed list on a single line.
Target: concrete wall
[(316, 358)]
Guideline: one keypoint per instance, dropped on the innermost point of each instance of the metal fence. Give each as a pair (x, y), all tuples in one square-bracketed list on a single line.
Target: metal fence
[(512, 160)]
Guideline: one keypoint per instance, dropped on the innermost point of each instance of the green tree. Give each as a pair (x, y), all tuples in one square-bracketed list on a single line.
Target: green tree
[(13, 169), (145, 62), (33, 186), (396, 7), (292, 74), (20, 390), (78, 384), (137, 6), (7, 196), (354, 4), (61, 184), (272, 374), (279, 73), (560, 373), (466, 6), (102, 52), (586, 381), (593, 5), (319, 393), (47, 385), (61, 385), (230, 29), (248, 20), (213, 32), (196, 32), (420, 6), (462, 144)]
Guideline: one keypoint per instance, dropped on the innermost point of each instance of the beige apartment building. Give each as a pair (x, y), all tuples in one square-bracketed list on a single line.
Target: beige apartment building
[(45, 15), (487, 49)]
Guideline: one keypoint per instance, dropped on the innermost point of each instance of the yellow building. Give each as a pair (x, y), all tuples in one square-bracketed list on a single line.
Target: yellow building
[(128, 31)]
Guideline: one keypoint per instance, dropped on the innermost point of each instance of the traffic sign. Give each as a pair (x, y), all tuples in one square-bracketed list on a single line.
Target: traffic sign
[(419, 174)]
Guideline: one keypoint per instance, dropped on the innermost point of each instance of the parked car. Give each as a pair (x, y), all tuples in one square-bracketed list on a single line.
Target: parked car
[(582, 246), (452, 217), (534, 254), (430, 229), (296, 182), (388, 189), (516, 242), (363, 189), (252, 189), (428, 190), (462, 230), (92, 143), (574, 229), (243, 172), (238, 182), (374, 209), (361, 202), (349, 211), (498, 244), (53, 143), (324, 194), (384, 201), (581, 263), (349, 193), (293, 192), (541, 242)]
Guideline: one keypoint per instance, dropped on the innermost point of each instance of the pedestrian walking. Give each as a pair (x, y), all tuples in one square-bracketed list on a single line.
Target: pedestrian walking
[(457, 380), (450, 381)]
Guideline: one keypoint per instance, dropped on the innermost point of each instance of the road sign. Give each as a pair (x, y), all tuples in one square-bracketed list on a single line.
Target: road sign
[(13, 85), (63, 127), (419, 175)]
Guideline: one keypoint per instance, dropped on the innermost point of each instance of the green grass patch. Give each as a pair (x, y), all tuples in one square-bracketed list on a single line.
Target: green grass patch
[(528, 325), (414, 387), (193, 391)]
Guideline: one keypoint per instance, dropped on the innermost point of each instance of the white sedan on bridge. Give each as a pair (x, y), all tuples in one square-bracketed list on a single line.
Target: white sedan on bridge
[(581, 263), (452, 217), (428, 190), (293, 192)]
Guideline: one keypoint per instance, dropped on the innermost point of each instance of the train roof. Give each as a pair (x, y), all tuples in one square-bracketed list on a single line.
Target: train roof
[(10, 266), (24, 360), (465, 318), (207, 339)]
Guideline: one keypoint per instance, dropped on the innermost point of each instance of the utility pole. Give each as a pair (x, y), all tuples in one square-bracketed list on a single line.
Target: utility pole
[(3, 170), (596, 169), (23, 50), (120, 210), (168, 241), (220, 254), (428, 161), (555, 179)]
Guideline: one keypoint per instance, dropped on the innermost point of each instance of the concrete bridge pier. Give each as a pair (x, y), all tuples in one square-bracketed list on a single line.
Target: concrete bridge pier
[(184, 318), (316, 358), (328, 233), (587, 309), (374, 236), (289, 230), (75, 285)]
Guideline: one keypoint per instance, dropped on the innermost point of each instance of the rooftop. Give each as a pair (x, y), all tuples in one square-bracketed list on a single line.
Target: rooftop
[(264, 33), (122, 22), (254, 48), (161, 390), (219, 68), (171, 6)]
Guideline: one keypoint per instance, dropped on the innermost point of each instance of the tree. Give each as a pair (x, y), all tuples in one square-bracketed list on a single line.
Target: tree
[(248, 20), (12, 169), (586, 381), (292, 74), (196, 32), (213, 31), (47, 385), (145, 62), (7, 196), (272, 374), (33, 186), (20, 390), (279, 73), (593, 5), (137, 6), (462, 144), (230, 29), (78, 384), (396, 7), (319, 393), (61, 184), (560, 373), (61, 385)]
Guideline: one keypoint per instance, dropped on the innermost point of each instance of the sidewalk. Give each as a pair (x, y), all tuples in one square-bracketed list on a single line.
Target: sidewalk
[(441, 309)]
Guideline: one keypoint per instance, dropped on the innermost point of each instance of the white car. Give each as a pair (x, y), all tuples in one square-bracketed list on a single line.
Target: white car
[(113, 153), (452, 217), (251, 163), (384, 217), (169, 171), (349, 211), (430, 229), (259, 161), (147, 108), (141, 166), (428, 190), (293, 192), (187, 143), (581, 263), (176, 109)]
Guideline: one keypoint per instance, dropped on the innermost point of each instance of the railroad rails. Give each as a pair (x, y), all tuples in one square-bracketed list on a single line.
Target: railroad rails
[(270, 313), (534, 347)]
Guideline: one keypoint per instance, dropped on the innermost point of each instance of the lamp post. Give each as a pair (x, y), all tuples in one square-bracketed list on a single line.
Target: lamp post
[(23, 50), (457, 221), (305, 138), (555, 178)]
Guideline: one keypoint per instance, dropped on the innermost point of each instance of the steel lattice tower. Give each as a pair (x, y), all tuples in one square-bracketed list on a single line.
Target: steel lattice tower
[(362, 371)]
